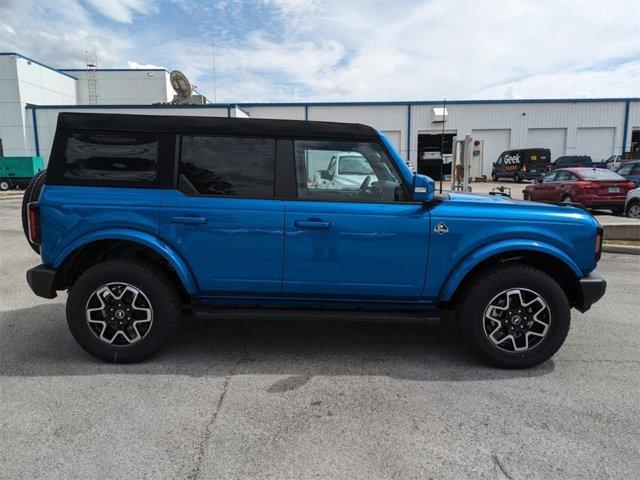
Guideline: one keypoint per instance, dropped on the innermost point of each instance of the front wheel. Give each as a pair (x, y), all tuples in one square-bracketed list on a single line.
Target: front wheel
[(513, 316), (634, 210), (5, 185), (123, 310)]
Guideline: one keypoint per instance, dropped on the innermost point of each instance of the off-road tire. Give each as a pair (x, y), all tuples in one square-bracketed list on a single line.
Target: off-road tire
[(476, 296), (146, 277), (32, 194)]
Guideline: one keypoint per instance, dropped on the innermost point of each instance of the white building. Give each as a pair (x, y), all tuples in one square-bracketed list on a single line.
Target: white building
[(25, 82), (595, 127)]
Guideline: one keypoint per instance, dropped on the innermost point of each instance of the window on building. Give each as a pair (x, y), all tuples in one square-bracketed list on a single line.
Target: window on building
[(229, 166), (357, 171), (101, 157)]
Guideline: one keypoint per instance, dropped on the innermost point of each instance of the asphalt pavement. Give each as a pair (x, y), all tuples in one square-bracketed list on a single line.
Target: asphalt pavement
[(288, 399)]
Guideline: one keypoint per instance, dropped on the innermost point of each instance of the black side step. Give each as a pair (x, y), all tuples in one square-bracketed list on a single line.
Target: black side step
[(433, 317)]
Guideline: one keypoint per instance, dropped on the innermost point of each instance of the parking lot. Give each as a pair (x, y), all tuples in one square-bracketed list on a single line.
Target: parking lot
[(289, 399)]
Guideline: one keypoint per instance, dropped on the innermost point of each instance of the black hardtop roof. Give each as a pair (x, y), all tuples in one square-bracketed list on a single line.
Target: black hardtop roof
[(251, 127)]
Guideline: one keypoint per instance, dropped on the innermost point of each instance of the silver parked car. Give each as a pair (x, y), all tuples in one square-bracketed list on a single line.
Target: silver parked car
[(632, 204)]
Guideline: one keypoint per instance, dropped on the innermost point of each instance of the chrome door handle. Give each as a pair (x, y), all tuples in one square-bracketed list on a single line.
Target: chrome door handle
[(312, 224), (189, 220)]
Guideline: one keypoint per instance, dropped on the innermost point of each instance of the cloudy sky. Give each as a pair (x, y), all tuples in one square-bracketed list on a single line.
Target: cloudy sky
[(320, 50)]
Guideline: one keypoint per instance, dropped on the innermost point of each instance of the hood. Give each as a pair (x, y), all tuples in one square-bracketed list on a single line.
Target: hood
[(501, 206)]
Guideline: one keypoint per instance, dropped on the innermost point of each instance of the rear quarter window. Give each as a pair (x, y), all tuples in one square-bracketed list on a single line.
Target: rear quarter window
[(127, 157)]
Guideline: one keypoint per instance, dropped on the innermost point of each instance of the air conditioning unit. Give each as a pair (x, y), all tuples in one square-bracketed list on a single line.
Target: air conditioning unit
[(439, 114)]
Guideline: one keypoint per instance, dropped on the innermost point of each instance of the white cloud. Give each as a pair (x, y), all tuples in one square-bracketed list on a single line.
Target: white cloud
[(581, 84), (123, 10), (143, 66), (57, 32), (294, 50)]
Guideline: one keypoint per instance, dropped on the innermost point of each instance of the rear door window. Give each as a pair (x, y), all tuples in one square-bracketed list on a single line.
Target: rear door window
[(128, 157), (563, 176), (229, 166)]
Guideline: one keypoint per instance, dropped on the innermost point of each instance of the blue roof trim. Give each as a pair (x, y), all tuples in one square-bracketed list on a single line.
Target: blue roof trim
[(6, 54), (347, 104)]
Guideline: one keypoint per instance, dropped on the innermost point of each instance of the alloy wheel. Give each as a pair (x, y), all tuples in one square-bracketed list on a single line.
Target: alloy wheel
[(634, 211), (119, 314), (516, 320)]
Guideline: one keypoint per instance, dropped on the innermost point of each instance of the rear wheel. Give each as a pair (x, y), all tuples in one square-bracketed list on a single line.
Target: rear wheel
[(494, 177), (5, 185), (122, 311), (634, 210), (567, 199), (514, 316)]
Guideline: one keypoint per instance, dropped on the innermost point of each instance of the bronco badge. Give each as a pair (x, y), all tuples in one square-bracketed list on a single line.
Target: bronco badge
[(441, 228)]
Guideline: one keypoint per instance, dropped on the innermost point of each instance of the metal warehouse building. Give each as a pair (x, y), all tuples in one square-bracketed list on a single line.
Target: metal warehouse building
[(32, 95)]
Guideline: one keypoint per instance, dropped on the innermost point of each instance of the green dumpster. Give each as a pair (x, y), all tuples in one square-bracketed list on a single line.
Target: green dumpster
[(17, 171)]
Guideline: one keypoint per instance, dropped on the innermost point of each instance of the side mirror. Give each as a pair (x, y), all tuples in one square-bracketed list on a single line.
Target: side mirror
[(324, 174), (423, 188)]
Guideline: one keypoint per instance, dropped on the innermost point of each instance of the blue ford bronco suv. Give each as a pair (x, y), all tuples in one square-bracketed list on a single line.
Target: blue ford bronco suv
[(144, 218)]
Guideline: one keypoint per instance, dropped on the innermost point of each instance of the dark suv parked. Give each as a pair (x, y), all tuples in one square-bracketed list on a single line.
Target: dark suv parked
[(142, 218)]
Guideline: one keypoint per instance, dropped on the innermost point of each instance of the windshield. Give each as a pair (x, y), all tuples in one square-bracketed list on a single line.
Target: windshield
[(600, 174), (354, 165)]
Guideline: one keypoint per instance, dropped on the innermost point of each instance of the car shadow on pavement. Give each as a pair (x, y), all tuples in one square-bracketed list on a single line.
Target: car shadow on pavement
[(36, 342)]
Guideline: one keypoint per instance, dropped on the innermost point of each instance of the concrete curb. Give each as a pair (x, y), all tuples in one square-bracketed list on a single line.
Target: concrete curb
[(615, 248), (622, 231)]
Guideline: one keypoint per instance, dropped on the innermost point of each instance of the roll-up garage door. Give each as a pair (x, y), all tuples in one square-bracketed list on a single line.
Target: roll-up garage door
[(555, 139), (496, 141), (595, 142)]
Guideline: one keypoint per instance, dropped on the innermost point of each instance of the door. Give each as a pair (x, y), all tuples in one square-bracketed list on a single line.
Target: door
[(562, 185), (555, 139), (496, 141), (354, 242), (498, 168), (224, 220), (543, 192), (595, 142)]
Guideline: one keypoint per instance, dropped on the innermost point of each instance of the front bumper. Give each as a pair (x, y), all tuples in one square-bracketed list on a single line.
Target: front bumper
[(592, 288), (41, 279)]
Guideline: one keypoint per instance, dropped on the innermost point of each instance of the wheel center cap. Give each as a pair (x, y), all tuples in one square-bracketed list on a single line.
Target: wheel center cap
[(516, 319), (119, 314)]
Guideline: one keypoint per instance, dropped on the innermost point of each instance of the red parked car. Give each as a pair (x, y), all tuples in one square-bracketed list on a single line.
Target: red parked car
[(591, 187)]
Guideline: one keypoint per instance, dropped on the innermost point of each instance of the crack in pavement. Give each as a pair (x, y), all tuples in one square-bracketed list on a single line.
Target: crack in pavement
[(500, 473), (204, 441), (206, 436)]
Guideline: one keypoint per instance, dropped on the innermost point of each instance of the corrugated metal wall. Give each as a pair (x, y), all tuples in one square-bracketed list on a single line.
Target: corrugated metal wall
[(518, 118)]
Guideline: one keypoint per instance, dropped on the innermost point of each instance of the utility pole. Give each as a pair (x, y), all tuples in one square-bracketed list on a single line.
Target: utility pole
[(213, 57), (444, 109)]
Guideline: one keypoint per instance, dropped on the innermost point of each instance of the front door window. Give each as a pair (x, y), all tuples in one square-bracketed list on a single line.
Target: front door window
[(346, 171)]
